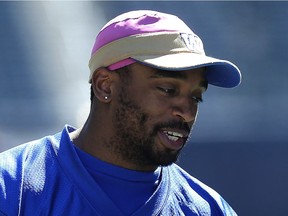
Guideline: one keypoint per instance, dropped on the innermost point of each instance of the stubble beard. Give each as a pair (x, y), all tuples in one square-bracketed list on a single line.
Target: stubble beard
[(134, 142)]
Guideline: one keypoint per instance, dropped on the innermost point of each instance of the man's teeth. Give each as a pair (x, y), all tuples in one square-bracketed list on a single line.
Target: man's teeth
[(174, 136)]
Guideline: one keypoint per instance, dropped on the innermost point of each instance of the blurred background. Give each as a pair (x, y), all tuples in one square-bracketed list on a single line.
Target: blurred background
[(239, 144)]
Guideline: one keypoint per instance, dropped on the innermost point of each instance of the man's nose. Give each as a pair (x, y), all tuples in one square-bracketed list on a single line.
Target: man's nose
[(186, 109)]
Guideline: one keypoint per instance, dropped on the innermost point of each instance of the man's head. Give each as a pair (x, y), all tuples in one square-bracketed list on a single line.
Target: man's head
[(151, 111), (149, 71), (158, 40)]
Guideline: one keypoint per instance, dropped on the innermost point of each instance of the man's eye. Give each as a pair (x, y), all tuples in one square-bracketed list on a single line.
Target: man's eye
[(197, 99), (167, 90)]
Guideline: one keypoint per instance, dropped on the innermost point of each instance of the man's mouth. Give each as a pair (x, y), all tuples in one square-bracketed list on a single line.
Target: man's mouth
[(173, 136), (173, 139)]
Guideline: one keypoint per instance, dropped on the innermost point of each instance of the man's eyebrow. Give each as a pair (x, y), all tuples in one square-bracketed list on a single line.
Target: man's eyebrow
[(169, 74), (204, 84), (176, 75)]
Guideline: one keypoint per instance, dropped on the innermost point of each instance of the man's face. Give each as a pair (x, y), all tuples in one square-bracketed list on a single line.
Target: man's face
[(154, 114)]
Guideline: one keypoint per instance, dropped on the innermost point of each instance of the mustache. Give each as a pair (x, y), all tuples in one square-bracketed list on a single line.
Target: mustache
[(173, 125)]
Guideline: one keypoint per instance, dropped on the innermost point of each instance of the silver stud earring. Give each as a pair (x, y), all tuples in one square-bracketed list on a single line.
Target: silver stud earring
[(106, 97)]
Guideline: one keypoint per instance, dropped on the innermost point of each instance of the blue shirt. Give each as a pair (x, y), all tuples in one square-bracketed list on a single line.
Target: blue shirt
[(121, 185), (47, 177)]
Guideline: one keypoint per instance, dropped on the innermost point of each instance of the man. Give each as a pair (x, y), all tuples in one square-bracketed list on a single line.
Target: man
[(148, 74)]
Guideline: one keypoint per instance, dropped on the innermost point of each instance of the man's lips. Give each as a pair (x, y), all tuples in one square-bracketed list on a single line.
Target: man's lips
[(172, 138)]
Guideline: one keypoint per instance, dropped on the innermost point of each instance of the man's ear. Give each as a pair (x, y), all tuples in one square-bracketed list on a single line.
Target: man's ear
[(101, 84)]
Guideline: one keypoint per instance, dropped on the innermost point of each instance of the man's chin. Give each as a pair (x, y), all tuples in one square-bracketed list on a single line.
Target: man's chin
[(167, 158)]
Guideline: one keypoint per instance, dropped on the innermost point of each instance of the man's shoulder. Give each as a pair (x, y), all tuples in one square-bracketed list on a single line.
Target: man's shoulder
[(12, 160), (178, 174), (19, 165), (194, 189), (19, 153)]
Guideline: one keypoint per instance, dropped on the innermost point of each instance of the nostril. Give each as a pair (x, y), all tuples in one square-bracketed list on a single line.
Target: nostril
[(184, 114)]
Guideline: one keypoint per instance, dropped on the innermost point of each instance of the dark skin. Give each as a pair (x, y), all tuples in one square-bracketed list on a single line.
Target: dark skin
[(145, 121)]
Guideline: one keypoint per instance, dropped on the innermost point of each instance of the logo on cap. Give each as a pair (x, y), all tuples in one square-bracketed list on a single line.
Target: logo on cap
[(193, 42)]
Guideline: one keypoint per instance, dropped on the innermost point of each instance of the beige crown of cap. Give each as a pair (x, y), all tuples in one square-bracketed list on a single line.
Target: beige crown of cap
[(158, 40)]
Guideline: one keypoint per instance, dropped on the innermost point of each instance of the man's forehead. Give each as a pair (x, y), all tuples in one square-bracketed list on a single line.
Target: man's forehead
[(170, 74), (178, 74), (182, 75)]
